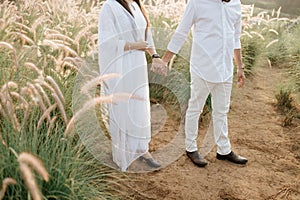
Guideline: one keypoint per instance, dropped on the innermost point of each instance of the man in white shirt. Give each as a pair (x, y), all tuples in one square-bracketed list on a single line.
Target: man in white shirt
[(216, 41)]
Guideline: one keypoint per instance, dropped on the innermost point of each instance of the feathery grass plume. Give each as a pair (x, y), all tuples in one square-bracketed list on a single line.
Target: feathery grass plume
[(50, 43), (273, 31), (96, 81), (24, 38), (71, 62), (35, 163), (5, 183), (272, 42), (278, 11), (22, 26), (60, 107), (23, 105), (96, 101), (6, 102), (56, 88), (258, 34), (2, 109), (269, 63), (37, 22), (2, 23), (61, 37), (23, 102), (34, 67), (81, 33), (51, 124), (247, 34), (46, 114), (8, 85), (10, 47), (38, 99), (30, 182), (68, 50), (27, 91), (42, 91)]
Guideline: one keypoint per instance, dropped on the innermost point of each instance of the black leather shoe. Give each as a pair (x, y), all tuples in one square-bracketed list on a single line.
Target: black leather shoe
[(196, 158), (150, 162), (232, 157)]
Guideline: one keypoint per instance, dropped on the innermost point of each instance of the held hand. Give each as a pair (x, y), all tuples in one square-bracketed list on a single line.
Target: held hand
[(160, 67), (141, 45), (241, 77)]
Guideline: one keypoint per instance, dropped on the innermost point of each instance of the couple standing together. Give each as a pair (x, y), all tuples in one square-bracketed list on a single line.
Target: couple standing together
[(125, 36)]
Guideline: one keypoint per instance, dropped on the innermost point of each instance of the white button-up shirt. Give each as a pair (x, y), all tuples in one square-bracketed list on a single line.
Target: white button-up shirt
[(216, 33)]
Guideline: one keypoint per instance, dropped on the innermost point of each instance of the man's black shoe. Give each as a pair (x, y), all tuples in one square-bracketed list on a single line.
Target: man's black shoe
[(196, 158), (232, 157)]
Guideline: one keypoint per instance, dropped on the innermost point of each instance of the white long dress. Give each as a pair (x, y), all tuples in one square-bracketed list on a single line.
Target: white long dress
[(130, 119)]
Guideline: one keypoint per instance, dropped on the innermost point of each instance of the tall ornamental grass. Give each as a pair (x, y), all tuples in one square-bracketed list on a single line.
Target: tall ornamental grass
[(41, 46)]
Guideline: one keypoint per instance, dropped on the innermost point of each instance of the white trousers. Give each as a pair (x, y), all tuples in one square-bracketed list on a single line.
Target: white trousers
[(220, 99)]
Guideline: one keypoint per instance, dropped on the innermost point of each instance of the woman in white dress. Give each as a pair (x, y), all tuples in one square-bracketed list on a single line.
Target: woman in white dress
[(124, 37)]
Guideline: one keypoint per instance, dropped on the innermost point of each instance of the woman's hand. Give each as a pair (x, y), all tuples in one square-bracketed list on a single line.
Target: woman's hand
[(139, 45)]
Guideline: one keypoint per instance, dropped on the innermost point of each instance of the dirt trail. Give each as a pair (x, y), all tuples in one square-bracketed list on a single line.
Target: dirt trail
[(273, 171)]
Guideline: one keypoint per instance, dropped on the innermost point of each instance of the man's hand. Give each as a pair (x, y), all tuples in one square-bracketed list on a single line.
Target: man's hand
[(241, 77), (159, 66)]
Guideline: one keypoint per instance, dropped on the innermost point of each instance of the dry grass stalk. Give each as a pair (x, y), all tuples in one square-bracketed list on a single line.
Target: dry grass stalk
[(37, 22), (42, 91), (6, 102), (35, 163), (271, 43), (28, 91), (34, 67), (23, 37), (38, 98), (273, 31), (23, 103), (30, 181), (2, 23), (56, 88), (76, 62), (8, 85), (46, 114), (60, 107), (10, 47), (61, 37), (96, 81), (258, 34), (96, 101), (22, 26), (51, 124), (5, 183), (68, 50)]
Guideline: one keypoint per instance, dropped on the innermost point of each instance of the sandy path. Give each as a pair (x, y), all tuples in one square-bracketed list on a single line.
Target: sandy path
[(273, 171)]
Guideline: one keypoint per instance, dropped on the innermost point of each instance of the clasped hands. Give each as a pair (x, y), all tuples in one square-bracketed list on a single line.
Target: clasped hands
[(158, 65)]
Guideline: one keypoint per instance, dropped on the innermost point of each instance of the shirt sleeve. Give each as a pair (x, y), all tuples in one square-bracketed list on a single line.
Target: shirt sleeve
[(150, 39), (183, 28), (237, 33), (110, 45)]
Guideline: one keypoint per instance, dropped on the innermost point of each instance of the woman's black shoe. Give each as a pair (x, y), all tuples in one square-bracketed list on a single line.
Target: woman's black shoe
[(150, 162)]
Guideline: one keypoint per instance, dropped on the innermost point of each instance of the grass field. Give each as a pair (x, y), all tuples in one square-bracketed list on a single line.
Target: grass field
[(288, 6)]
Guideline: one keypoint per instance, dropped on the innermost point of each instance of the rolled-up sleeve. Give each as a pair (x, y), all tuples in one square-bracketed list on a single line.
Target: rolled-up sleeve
[(150, 39), (183, 28), (237, 33)]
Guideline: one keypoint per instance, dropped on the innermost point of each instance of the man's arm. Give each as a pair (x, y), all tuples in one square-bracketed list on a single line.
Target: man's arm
[(181, 32), (240, 67)]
